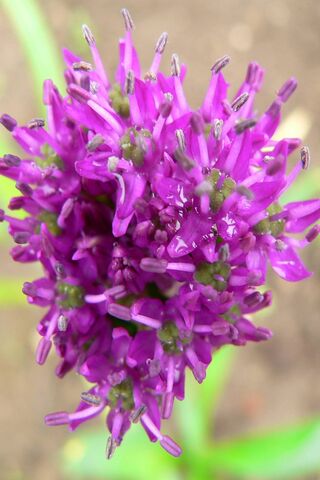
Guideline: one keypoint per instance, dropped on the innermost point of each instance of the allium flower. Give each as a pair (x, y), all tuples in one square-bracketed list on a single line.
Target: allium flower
[(154, 225)]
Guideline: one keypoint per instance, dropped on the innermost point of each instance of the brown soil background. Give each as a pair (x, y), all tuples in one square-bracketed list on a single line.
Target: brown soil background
[(271, 384)]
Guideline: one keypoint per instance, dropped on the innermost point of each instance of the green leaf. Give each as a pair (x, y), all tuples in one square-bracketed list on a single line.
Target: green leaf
[(37, 42), (136, 459), (288, 453)]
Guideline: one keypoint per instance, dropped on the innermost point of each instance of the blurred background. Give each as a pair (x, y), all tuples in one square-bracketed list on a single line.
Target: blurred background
[(266, 385)]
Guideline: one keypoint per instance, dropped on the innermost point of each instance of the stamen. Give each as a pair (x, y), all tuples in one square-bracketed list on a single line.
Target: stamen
[(313, 233), (160, 46), (96, 58), (8, 122), (137, 414), (217, 128), (165, 109), (11, 160), (43, 349), (56, 418), (109, 119), (196, 123), (202, 329), (146, 420), (117, 292), (154, 265), (245, 192), (62, 323), (274, 109), (29, 289), (251, 73), (175, 65), (253, 299), (135, 112), (154, 367), (85, 82), (227, 110), (220, 64), (224, 252), (184, 160), (94, 86), (113, 163), (243, 125), (36, 123), (24, 188), (161, 43), (305, 157), (287, 89), (181, 139), (82, 66), (203, 188), (167, 404), (239, 101), (78, 93), (90, 398), (111, 447), (275, 165), (66, 211), (180, 96), (119, 311), (95, 142), (21, 238), (254, 76), (150, 76), (181, 267), (148, 321), (279, 245), (128, 22), (198, 368), (129, 83), (170, 374), (220, 327), (88, 35)]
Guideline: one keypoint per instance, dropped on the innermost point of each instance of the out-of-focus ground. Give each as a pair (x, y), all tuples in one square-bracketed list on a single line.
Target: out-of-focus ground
[(271, 384)]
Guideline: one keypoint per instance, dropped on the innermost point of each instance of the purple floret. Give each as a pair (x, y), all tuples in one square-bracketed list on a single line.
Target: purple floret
[(154, 225)]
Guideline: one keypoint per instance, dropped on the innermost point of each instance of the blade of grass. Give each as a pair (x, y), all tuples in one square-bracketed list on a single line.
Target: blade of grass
[(37, 42)]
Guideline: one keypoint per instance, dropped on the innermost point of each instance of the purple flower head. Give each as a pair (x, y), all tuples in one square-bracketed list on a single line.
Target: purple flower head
[(154, 224)]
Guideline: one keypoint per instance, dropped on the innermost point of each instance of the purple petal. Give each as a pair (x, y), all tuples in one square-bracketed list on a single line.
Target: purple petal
[(302, 215), (128, 193), (287, 264), (189, 236)]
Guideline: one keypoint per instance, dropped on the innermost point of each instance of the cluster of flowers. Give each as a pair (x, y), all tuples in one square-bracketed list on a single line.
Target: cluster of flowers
[(154, 224)]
